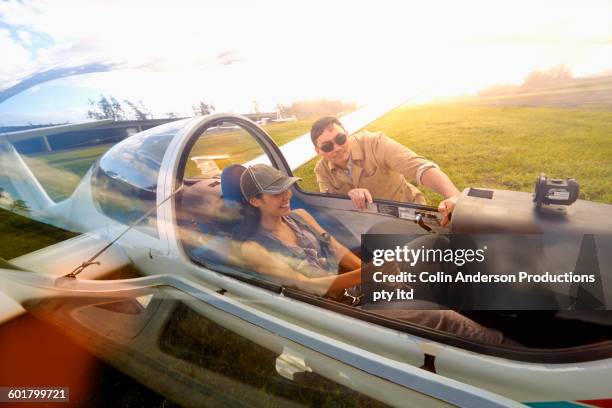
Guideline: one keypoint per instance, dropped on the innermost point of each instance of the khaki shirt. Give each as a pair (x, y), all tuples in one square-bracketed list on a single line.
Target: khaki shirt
[(380, 165)]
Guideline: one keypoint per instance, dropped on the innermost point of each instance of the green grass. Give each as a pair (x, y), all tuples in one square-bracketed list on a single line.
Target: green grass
[(21, 235), (584, 93), (284, 132), (504, 147), (60, 173), (192, 337), (239, 145), (475, 144)]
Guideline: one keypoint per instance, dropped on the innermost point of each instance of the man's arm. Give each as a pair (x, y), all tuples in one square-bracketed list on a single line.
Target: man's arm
[(399, 158), (405, 161), (439, 182)]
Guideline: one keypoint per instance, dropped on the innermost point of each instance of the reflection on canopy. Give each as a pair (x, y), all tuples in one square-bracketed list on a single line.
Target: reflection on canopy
[(124, 183)]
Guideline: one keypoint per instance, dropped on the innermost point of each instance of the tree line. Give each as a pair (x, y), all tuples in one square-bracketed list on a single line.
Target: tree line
[(536, 80), (315, 107), (7, 201), (111, 108)]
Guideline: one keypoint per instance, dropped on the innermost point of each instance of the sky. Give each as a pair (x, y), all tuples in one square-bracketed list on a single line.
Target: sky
[(232, 53)]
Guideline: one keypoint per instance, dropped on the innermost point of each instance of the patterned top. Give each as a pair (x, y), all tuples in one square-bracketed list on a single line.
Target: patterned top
[(308, 254)]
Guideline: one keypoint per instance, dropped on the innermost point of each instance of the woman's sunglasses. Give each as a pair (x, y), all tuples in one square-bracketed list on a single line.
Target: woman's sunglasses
[(340, 139)]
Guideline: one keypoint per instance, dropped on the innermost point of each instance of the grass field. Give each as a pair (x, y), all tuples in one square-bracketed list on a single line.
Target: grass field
[(504, 147), (239, 145), (475, 144), (60, 172), (480, 142), (21, 235)]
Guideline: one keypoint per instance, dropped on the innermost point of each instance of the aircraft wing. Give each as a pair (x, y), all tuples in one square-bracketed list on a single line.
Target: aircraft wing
[(20, 190), (60, 259), (300, 150), (21, 135)]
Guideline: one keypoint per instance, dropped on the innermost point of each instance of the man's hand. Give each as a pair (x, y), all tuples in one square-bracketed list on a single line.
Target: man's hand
[(361, 197), (445, 208), (439, 182)]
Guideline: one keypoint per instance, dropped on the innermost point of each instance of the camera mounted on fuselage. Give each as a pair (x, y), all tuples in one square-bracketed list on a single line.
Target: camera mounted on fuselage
[(555, 194)]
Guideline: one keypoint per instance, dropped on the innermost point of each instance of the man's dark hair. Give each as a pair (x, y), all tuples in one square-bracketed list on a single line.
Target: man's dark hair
[(320, 125)]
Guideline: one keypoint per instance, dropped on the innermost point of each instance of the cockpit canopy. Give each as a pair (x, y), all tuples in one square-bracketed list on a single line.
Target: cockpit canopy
[(124, 181)]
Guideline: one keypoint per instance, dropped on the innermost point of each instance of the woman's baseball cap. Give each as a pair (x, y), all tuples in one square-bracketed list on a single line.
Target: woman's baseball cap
[(262, 178)]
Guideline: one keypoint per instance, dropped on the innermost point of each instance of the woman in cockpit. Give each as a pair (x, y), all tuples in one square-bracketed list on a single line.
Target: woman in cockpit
[(293, 249)]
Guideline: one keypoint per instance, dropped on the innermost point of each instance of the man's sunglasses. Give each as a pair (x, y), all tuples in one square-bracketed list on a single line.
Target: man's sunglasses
[(340, 139)]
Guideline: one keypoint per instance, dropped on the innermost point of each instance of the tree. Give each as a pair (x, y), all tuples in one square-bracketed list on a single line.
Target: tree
[(312, 108), (281, 110), (536, 80), (141, 112), (19, 205), (105, 109), (111, 108), (202, 109), (555, 76), (117, 109)]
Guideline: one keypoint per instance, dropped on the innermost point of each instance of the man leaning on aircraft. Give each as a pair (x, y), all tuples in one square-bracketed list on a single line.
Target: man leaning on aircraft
[(371, 165)]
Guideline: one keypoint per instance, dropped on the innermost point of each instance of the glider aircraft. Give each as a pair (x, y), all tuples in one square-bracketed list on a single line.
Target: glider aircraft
[(154, 204)]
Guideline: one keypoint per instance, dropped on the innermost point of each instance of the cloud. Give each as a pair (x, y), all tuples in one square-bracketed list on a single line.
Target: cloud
[(16, 59), (271, 51), (25, 36)]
